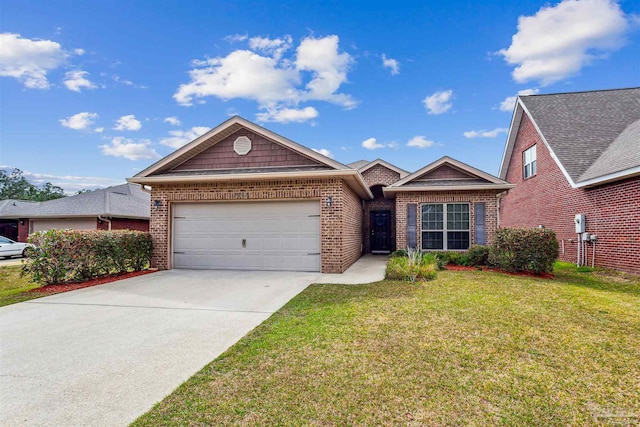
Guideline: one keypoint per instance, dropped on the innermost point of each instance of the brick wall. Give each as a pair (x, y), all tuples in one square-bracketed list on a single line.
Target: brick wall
[(338, 242), (377, 177), (380, 175), (23, 229), (351, 227), (125, 224), (487, 197), (612, 210)]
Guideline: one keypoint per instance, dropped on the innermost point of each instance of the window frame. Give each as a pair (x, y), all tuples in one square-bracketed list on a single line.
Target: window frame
[(532, 163), (445, 230)]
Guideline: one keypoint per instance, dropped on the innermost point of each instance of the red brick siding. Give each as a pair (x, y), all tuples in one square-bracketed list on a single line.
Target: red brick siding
[(125, 224), (547, 199), (487, 197), (338, 242), (264, 153), (351, 227), (23, 230), (380, 175)]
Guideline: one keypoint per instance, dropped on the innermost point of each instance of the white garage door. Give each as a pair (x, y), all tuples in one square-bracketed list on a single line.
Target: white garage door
[(61, 224), (247, 236)]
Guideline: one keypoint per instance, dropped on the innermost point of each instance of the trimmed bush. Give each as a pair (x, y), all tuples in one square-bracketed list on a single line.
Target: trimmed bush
[(62, 256), (415, 267), (524, 249), (478, 255)]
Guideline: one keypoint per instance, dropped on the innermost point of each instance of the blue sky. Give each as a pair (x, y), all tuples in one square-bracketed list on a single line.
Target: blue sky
[(92, 92)]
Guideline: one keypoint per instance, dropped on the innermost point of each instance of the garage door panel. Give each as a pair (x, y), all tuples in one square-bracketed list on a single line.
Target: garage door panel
[(277, 236)]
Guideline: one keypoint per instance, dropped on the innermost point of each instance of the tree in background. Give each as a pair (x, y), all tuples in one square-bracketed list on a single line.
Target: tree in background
[(16, 186)]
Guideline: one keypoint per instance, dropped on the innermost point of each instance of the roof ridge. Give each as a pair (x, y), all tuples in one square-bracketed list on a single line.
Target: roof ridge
[(580, 91)]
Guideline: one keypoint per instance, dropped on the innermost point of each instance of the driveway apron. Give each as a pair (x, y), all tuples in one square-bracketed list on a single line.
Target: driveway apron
[(105, 355)]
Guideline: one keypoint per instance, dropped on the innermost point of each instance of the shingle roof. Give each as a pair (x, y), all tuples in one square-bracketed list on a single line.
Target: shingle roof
[(593, 134), (120, 201), (358, 164)]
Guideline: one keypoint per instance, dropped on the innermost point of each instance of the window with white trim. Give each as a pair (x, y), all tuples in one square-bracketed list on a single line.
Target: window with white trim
[(445, 226), (529, 162)]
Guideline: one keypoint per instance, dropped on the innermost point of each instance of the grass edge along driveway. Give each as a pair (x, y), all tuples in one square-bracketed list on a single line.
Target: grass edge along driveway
[(469, 348)]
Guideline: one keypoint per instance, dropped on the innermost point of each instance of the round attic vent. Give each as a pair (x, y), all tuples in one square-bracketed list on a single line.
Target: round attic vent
[(242, 145)]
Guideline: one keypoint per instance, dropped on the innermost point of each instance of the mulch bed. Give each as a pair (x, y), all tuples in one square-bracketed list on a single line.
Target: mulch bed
[(454, 267), (65, 287)]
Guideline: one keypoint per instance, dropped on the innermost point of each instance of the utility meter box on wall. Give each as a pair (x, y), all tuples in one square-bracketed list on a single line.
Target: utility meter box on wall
[(580, 223)]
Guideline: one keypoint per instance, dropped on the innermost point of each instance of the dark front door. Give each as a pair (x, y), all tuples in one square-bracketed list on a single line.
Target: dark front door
[(380, 231)]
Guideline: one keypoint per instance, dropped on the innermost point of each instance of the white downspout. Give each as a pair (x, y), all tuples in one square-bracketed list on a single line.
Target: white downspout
[(108, 221)]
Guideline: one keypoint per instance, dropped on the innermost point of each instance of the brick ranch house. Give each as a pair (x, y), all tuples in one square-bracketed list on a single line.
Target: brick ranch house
[(121, 207), (243, 197), (578, 154)]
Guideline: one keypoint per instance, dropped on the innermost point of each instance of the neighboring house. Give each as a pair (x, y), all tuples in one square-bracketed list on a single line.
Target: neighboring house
[(120, 207), (578, 153), (243, 197)]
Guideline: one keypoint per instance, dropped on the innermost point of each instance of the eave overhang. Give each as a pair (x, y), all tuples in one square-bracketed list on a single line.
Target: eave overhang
[(353, 178)]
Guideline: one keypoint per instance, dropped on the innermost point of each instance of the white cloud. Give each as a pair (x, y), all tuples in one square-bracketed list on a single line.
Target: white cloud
[(420, 142), (485, 133), (272, 47), (178, 138), (241, 74), (236, 38), (263, 74), (510, 101), (287, 115), (558, 41), (128, 123), (391, 64), (372, 144), (439, 102), (29, 60), (173, 120), (79, 52), (76, 80), (116, 78), (124, 147), (324, 152), (329, 69), (99, 130), (80, 121)]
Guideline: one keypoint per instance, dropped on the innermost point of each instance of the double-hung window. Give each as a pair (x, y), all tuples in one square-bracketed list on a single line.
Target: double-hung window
[(445, 226), (529, 162)]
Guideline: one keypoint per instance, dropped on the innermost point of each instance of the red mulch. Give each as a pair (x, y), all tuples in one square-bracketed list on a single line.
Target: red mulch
[(56, 289), (495, 270)]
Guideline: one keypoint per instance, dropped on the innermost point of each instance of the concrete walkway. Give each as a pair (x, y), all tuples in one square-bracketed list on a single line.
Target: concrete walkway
[(368, 269), (102, 356)]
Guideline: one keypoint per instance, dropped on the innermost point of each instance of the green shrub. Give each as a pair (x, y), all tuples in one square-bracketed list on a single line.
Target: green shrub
[(524, 249), (415, 267), (398, 253), (478, 255), (77, 255)]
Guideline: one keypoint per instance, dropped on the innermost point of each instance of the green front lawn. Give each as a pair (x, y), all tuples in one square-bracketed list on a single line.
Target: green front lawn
[(14, 287), (469, 348)]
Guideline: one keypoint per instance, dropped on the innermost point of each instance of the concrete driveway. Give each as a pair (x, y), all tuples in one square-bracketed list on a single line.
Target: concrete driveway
[(105, 355)]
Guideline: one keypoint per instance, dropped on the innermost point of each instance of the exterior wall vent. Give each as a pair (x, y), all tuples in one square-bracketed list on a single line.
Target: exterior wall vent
[(242, 145)]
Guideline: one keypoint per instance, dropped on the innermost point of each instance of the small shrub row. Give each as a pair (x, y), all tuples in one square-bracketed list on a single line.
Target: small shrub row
[(62, 256), (514, 249), (524, 249), (414, 267)]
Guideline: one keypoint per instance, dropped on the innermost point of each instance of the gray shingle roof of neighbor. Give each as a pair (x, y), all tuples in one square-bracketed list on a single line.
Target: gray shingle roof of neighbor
[(593, 134), (120, 201), (358, 164)]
